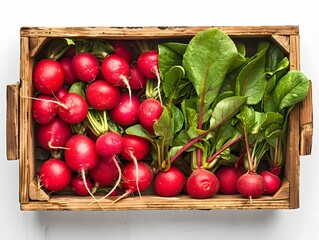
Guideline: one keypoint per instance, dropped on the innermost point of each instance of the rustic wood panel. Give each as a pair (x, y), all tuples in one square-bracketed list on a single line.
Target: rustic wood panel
[(306, 123), (12, 122), (149, 202), (153, 32), (292, 165), (26, 124)]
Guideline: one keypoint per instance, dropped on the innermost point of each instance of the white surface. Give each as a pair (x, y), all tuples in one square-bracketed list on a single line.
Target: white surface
[(282, 224)]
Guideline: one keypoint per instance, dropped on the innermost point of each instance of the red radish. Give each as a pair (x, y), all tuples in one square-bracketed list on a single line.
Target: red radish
[(80, 154), (271, 181), (44, 111), (122, 49), (105, 172), (126, 112), (86, 66), (147, 63), (135, 148), (136, 177), (72, 108), (101, 95), (54, 175), (202, 183), (78, 186), (149, 112), (116, 70), (109, 144), (169, 183), (53, 135), (137, 79), (228, 177), (69, 76), (48, 76), (60, 93), (251, 185), (275, 170)]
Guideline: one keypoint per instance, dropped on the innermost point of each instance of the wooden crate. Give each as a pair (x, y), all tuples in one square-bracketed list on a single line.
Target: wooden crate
[(20, 129)]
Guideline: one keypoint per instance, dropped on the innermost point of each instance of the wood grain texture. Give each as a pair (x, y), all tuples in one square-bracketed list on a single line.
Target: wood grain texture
[(292, 162), (306, 123), (154, 32), (12, 122)]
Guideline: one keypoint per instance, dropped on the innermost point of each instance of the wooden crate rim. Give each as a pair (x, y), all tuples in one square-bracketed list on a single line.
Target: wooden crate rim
[(154, 31)]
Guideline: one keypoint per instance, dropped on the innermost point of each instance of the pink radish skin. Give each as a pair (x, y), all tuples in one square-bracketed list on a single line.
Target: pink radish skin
[(149, 112), (44, 111), (169, 183), (78, 186), (105, 172), (137, 79), (135, 148), (53, 135), (101, 95), (48, 76), (271, 181), (86, 66), (228, 177), (122, 49), (136, 178), (202, 184), (54, 175), (251, 185), (72, 108), (147, 63), (109, 144), (69, 76), (126, 112)]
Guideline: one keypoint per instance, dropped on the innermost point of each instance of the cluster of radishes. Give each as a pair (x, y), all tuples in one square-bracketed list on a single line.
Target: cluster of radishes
[(92, 160), (82, 106)]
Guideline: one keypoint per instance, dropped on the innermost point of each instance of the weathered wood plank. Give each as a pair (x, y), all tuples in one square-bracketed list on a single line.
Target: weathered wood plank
[(12, 122), (306, 123), (292, 164), (154, 32)]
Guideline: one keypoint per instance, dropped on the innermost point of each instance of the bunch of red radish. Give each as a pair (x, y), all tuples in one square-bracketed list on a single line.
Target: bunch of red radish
[(112, 161), (89, 162)]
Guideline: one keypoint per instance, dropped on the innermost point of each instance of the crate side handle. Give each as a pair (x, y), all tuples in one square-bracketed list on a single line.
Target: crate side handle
[(306, 123), (12, 122)]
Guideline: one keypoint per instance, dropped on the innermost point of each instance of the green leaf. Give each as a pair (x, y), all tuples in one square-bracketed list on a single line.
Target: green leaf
[(138, 130), (251, 81), (208, 57), (169, 55), (247, 118), (172, 82), (226, 109), (290, 89), (78, 87)]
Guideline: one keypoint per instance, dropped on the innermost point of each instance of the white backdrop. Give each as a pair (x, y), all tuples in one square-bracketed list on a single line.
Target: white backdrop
[(222, 224)]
